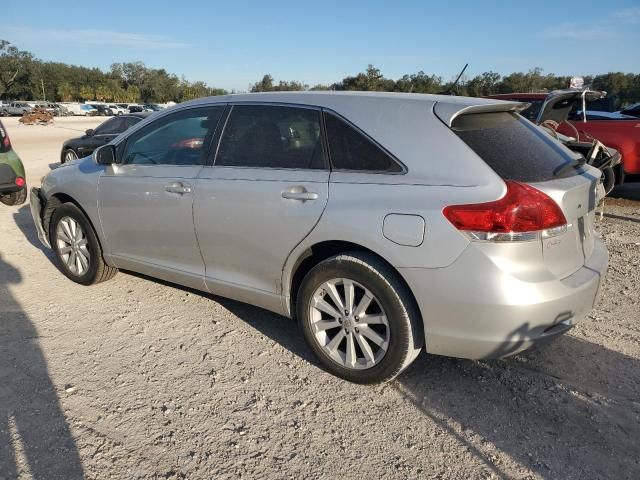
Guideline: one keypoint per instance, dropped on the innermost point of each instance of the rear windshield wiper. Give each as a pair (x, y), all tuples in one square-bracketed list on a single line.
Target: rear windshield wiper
[(575, 163)]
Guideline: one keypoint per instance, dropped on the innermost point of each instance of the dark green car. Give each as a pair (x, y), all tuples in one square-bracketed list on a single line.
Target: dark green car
[(13, 186)]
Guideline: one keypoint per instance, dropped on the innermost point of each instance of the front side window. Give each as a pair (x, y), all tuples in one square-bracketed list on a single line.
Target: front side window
[(352, 150), (177, 139), (269, 136)]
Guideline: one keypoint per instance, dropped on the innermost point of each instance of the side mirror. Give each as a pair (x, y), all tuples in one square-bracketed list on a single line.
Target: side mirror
[(89, 132), (105, 155)]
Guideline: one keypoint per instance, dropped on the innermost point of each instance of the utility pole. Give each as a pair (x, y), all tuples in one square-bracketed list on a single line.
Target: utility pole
[(43, 95)]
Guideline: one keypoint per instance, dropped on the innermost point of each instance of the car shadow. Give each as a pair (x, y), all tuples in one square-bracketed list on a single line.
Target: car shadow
[(32, 424), (567, 409), (278, 328)]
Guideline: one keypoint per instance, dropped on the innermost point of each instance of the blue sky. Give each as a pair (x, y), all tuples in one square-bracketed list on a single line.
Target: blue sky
[(232, 44)]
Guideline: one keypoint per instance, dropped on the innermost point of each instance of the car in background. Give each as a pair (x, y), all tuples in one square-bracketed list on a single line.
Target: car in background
[(16, 109), (101, 135), (103, 110), (598, 115), (116, 109), (134, 108), (632, 110), (154, 107), (384, 223), (621, 134), (81, 109), (13, 184)]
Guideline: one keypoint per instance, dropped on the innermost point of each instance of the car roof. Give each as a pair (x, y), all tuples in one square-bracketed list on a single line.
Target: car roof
[(347, 102)]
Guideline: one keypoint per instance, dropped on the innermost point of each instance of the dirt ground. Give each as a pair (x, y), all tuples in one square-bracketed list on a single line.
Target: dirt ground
[(135, 378)]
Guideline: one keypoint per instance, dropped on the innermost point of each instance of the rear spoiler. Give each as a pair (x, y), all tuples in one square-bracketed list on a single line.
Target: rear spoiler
[(448, 112)]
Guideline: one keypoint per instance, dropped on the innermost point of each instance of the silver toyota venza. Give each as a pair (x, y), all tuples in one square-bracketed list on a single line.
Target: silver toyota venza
[(384, 223)]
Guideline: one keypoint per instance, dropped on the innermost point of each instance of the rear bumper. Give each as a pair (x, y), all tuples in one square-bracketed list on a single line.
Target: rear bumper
[(36, 212), (472, 309)]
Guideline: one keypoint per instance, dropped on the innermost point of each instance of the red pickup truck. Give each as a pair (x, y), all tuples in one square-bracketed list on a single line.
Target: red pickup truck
[(621, 134)]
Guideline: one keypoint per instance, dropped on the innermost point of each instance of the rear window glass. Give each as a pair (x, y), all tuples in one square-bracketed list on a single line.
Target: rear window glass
[(514, 148)]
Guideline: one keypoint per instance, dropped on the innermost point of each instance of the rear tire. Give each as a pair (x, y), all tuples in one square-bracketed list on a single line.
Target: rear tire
[(371, 344), (15, 198), (75, 244)]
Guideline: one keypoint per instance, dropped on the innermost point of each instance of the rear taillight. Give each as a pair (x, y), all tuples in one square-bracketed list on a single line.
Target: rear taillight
[(20, 182), (524, 213)]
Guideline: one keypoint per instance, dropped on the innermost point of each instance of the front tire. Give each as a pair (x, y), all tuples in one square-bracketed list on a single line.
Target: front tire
[(15, 198), (358, 317), (68, 156), (75, 244)]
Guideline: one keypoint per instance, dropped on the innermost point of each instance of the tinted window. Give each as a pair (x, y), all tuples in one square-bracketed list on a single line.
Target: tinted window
[(177, 139), (512, 147), (271, 137), (110, 127), (352, 150), (131, 121)]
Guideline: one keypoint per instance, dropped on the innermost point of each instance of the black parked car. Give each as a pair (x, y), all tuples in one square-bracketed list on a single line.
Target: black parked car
[(103, 134)]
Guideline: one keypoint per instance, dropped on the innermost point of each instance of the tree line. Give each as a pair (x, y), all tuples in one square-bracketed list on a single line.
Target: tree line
[(24, 77), (624, 87)]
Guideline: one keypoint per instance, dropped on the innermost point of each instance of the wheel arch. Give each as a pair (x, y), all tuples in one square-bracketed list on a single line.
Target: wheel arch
[(55, 201), (320, 251)]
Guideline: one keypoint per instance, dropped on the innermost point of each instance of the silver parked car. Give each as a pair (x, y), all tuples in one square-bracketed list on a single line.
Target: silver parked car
[(385, 223)]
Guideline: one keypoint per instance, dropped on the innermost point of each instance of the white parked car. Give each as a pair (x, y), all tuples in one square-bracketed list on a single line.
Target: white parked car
[(81, 109), (117, 110)]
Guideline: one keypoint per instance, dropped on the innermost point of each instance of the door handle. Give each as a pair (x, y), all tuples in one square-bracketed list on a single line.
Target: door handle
[(178, 187), (299, 193)]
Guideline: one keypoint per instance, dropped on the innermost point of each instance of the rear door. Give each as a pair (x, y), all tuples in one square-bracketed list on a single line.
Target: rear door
[(265, 193), (146, 200)]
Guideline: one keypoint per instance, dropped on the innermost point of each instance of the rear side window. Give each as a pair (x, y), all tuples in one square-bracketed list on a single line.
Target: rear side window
[(111, 127), (514, 148), (269, 136), (352, 150)]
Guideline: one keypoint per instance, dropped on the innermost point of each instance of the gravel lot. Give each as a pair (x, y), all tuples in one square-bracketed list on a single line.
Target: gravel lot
[(135, 378)]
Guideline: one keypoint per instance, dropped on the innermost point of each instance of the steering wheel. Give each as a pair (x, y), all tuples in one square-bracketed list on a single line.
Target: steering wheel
[(551, 126)]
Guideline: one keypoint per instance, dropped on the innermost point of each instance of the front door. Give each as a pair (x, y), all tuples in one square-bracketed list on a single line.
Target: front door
[(265, 193), (145, 201)]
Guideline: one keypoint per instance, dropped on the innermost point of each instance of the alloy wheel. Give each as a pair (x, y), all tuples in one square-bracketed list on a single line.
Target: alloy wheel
[(349, 324), (71, 241), (70, 155)]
